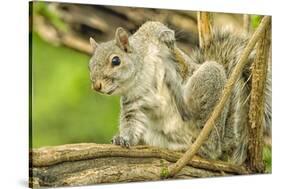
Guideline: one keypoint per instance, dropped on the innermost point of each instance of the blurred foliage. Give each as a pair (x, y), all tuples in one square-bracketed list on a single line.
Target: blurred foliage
[(41, 8), (64, 108), (267, 153), (255, 21)]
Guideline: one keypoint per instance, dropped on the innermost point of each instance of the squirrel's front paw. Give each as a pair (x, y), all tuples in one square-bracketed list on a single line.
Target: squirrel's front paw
[(168, 37), (121, 141)]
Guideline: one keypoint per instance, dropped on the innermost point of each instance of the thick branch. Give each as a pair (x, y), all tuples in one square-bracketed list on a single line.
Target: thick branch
[(175, 168), (47, 156), (204, 29), (89, 163), (256, 115)]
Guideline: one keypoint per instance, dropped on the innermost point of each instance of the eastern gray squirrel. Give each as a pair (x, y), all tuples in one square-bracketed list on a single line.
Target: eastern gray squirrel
[(166, 100)]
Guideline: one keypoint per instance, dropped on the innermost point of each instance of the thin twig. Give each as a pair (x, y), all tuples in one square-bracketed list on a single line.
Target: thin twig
[(204, 29), (247, 23), (175, 168)]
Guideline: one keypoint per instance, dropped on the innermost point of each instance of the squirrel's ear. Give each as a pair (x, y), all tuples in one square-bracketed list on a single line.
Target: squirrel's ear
[(122, 39), (94, 44)]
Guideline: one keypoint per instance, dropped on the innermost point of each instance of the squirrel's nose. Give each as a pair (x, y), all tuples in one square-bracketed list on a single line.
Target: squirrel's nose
[(97, 85)]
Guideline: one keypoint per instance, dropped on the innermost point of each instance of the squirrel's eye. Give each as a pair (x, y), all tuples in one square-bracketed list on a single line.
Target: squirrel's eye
[(115, 61)]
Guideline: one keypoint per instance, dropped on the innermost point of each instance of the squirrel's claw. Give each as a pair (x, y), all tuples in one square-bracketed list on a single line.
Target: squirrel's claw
[(121, 141)]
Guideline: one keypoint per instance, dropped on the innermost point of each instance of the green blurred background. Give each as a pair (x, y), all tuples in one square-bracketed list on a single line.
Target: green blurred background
[(64, 108)]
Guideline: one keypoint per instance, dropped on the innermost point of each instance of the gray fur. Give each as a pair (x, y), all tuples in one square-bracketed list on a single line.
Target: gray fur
[(159, 107)]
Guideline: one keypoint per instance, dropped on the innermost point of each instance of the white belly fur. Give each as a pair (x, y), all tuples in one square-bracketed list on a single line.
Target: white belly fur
[(168, 130)]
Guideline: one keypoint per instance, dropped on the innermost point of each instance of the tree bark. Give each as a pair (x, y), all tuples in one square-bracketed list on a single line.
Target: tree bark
[(89, 163), (256, 113)]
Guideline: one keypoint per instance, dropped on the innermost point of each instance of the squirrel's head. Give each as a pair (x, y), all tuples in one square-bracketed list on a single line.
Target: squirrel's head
[(113, 64)]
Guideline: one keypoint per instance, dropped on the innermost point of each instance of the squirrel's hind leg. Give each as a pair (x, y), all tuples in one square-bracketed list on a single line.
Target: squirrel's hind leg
[(201, 94)]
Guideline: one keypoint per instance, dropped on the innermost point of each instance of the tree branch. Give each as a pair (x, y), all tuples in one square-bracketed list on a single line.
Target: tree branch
[(175, 168), (204, 29), (89, 163), (256, 115), (247, 23)]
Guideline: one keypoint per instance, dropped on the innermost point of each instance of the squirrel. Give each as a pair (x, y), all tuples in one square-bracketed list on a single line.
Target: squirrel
[(168, 95)]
